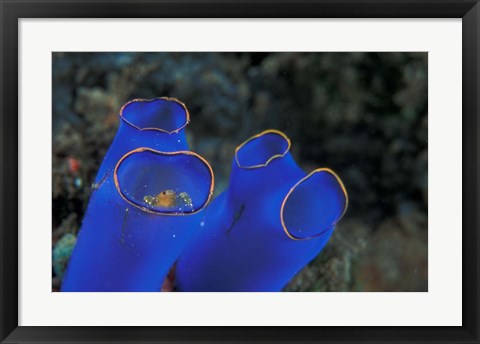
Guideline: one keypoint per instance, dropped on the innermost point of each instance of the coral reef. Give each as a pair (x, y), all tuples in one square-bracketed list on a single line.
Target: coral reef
[(61, 253), (362, 114)]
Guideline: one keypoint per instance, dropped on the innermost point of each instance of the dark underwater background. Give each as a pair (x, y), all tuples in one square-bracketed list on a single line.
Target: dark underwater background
[(364, 115)]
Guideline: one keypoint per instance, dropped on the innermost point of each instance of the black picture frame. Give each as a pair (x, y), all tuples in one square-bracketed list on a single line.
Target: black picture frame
[(12, 11)]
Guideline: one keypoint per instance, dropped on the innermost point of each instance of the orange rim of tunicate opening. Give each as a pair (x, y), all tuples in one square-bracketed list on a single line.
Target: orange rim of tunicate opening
[(148, 210), (187, 114), (269, 131), (290, 235)]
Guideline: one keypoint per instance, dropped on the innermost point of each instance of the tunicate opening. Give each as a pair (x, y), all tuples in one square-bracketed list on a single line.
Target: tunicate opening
[(163, 114), (314, 205), (178, 183), (261, 149)]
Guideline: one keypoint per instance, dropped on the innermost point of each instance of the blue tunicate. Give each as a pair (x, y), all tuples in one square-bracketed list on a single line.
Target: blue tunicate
[(271, 221), (148, 188), (128, 244), (157, 123)]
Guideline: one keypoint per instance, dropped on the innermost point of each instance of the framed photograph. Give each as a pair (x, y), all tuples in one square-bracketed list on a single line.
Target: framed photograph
[(239, 171)]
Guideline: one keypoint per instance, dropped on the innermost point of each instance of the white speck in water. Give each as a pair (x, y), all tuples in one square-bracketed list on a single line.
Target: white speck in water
[(173, 235), (178, 141), (78, 182), (202, 224)]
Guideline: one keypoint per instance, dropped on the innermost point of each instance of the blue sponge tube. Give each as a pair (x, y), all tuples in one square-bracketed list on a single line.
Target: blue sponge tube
[(155, 123), (272, 220), (139, 221)]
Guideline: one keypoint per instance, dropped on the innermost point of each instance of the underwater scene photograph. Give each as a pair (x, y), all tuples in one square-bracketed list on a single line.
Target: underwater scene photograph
[(240, 172)]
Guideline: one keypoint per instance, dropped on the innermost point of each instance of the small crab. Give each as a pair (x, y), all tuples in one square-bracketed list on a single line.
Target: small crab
[(166, 198), (169, 199)]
